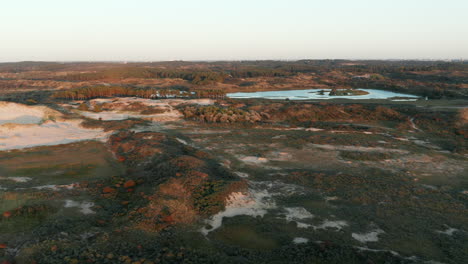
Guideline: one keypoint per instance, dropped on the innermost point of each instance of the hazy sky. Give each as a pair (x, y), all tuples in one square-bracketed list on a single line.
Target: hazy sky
[(62, 30)]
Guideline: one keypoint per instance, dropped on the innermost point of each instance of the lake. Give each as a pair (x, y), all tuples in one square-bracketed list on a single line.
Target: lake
[(315, 94)]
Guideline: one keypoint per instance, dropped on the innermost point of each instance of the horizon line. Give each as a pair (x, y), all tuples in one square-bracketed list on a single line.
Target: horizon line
[(238, 60)]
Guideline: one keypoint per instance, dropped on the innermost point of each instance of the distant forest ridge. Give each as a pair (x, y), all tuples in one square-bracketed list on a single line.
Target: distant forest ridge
[(434, 79), (289, 66)]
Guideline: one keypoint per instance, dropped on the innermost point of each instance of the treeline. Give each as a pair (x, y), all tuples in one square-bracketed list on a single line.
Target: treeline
[(431, 90), (24, 66), (195, 77), (428, 77), (86, 93), (368, 66), (259, 72), (259, 68)]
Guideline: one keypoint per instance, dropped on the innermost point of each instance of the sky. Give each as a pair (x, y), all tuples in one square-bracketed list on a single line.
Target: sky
[(155, 30)]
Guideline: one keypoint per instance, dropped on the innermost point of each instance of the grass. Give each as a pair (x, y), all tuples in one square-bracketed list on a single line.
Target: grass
[(60, 164), (245, 237)]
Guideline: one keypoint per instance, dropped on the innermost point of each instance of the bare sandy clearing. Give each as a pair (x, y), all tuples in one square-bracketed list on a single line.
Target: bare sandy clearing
[(23, 126), (300, 240), (49, 133), (253, 159), (132, 107), (254, 203), (425, 165), (338, 224), (372, 236), (16, 179), (85, 207), (13, 113)]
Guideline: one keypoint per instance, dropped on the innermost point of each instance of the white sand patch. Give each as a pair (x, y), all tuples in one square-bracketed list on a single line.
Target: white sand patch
[(278, 188), (413, 125), (48, 133), (279, 137), (300, 240), (203, 131), (241, 174), (124, 101), (257, 201), (339, 224), (378, 250), (427, 186), (298, 213), (302, 225), (313, 129), (372, 236), (253, 203), (253, 159), (425, 143), (109, 115), (171, 115), (331, 198), (85, 207), (56, 187), (279, 156), (13, 113), (201, 101), (182, 141), (122, 108), (394, 253), (355, 148), (16, 179), (449, 231), (401, 139), (310, 129)]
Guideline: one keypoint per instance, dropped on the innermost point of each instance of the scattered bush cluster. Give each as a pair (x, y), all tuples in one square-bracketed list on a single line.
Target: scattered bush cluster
[(217, 114)]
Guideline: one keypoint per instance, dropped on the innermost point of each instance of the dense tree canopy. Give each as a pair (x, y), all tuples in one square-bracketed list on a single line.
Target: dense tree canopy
[(113, 91)]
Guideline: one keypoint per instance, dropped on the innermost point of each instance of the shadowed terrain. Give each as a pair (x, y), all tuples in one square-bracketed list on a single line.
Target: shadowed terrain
[(154, 163)]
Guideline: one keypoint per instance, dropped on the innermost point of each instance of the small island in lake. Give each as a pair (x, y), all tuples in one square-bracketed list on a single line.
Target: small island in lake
[(345, 92)]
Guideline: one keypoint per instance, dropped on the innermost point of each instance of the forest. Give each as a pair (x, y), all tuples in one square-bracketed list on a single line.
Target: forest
[(121, 91), (432, 79)]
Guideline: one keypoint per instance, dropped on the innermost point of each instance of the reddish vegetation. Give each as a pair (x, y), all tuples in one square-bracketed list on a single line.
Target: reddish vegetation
[(189, 183), (133, 147), (187, 162), (462, 123), (327, 112), (290, 112), (182, 201), (129, 184), (170, 204), (109, 190), (6, 214)]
